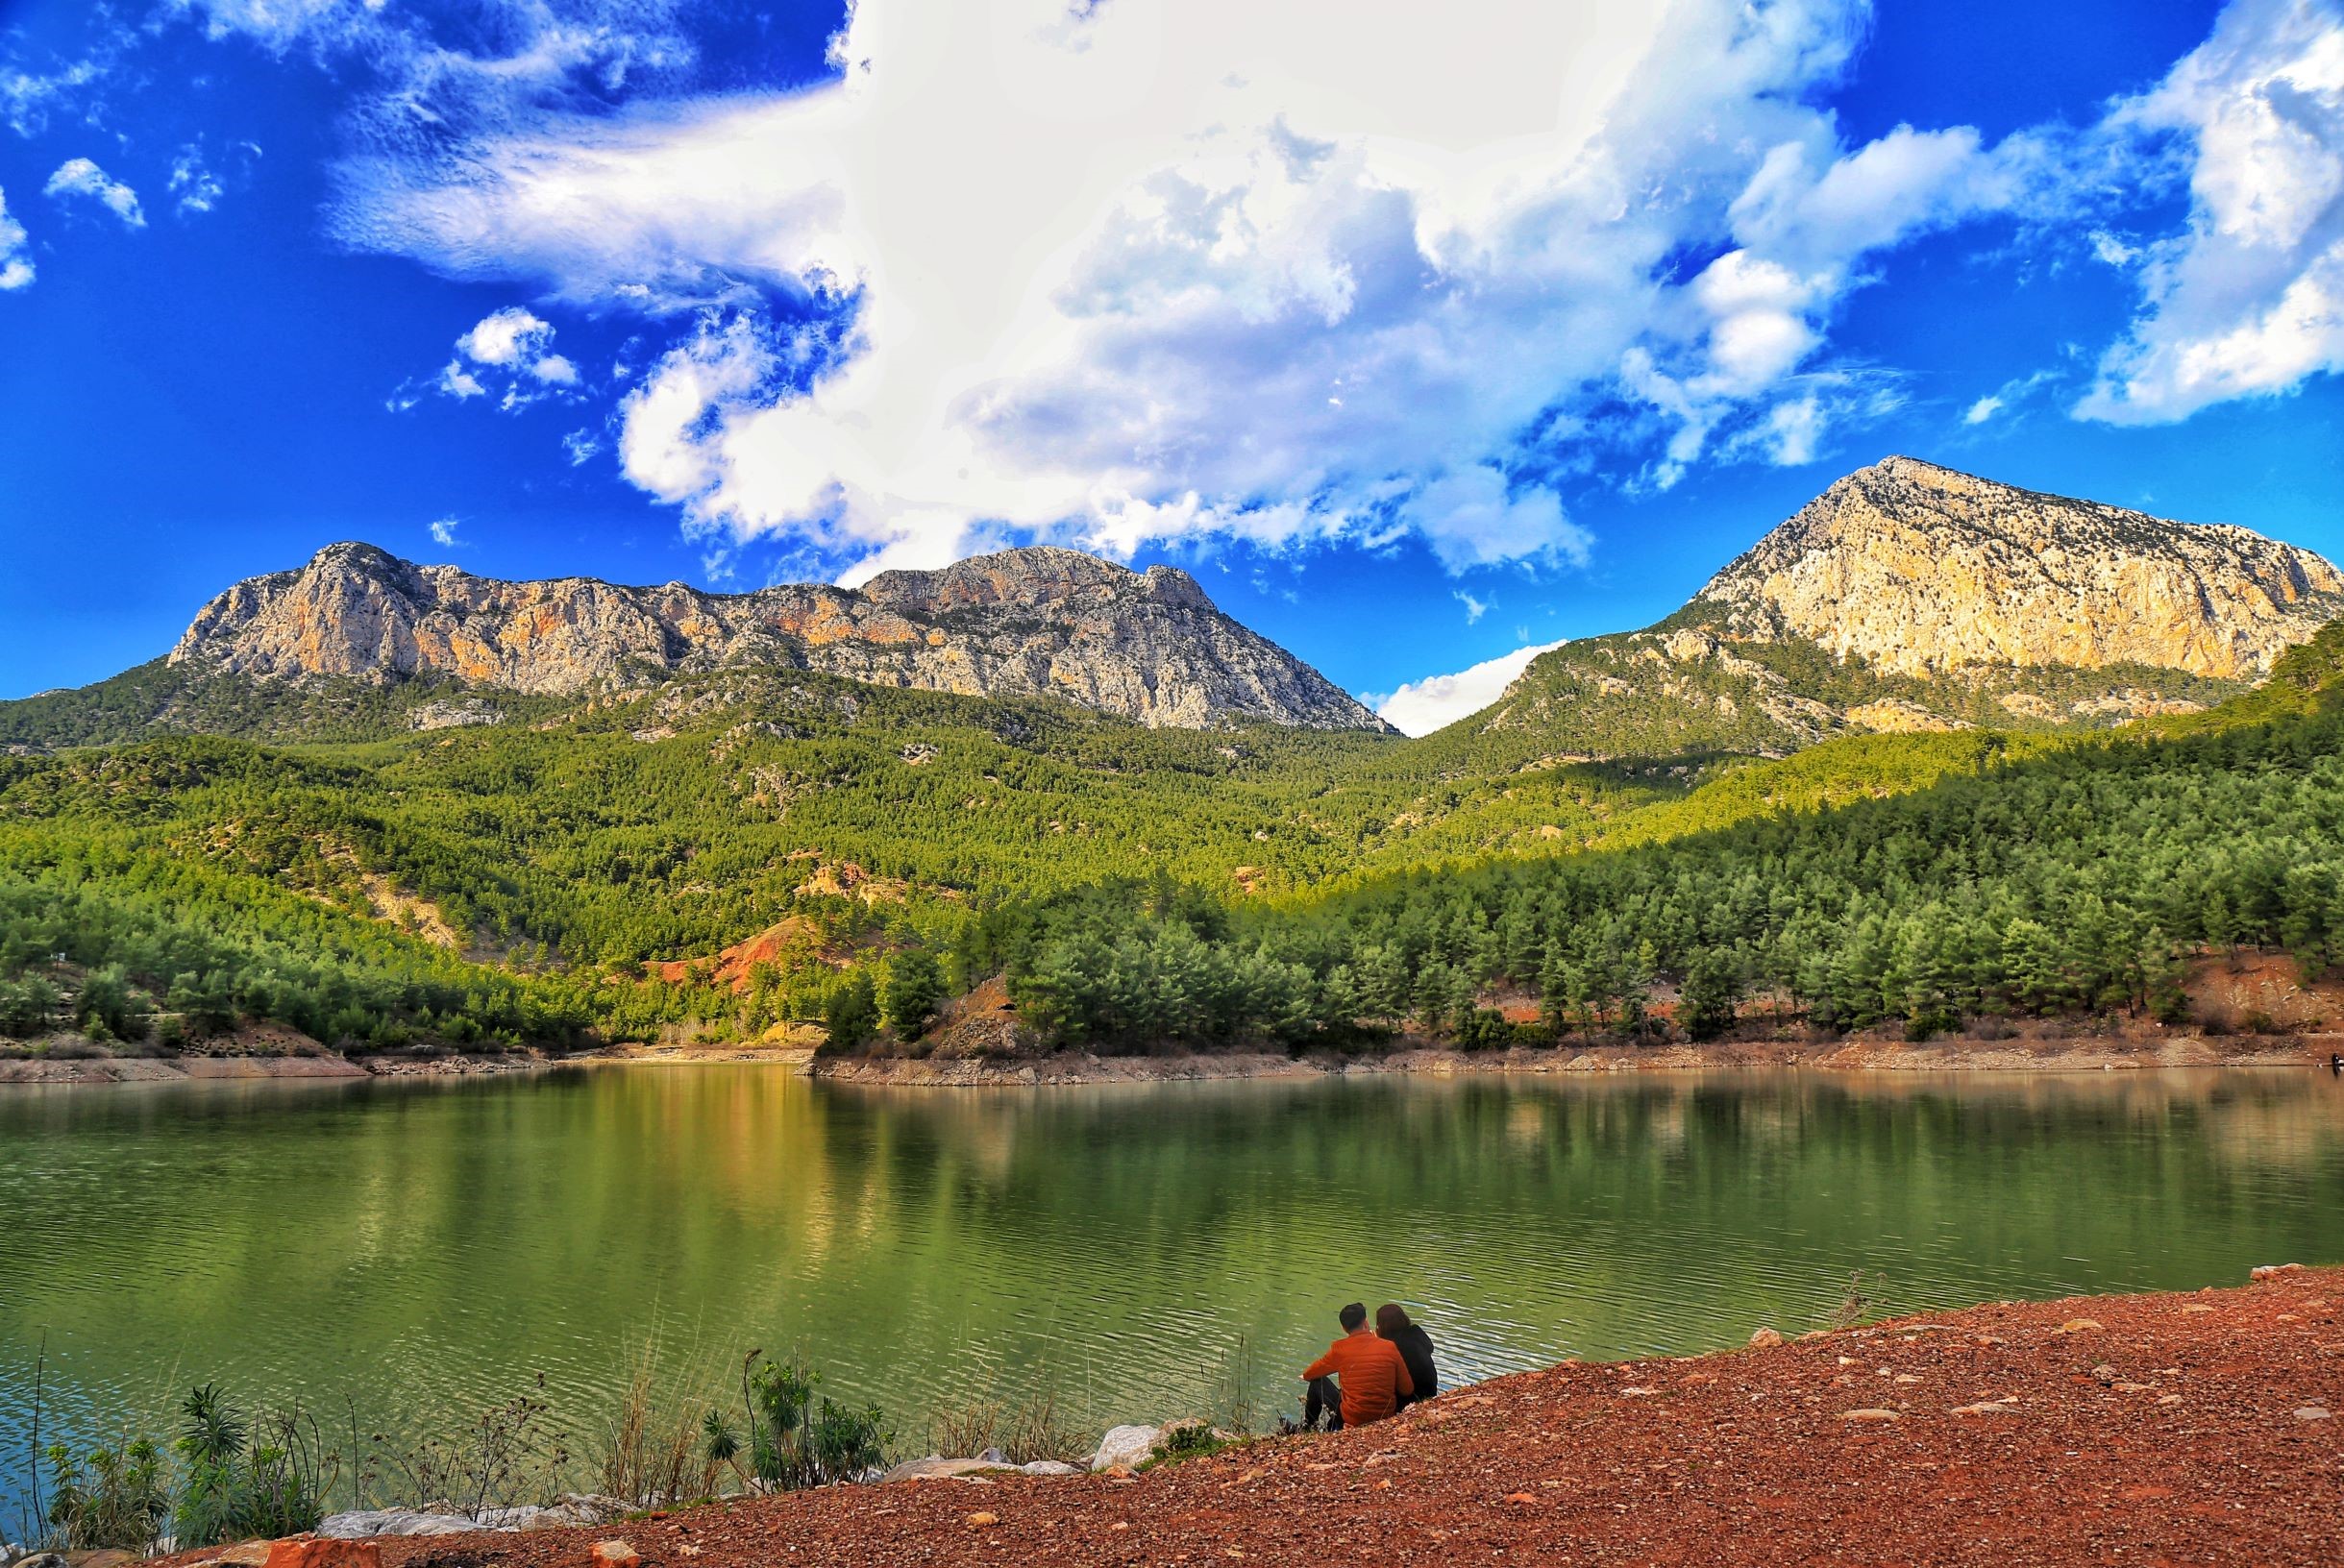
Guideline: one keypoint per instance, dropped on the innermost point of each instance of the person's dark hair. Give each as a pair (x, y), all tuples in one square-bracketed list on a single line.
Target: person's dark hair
[(1353, 1316), (1391, 1318)]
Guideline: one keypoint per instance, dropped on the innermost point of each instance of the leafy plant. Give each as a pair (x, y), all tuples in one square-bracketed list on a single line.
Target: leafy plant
[(792, 1442), (245, 1482), (115, 1497)]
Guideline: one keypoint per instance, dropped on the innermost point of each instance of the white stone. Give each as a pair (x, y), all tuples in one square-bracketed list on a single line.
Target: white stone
[(363, 1523), (1130, 1446)]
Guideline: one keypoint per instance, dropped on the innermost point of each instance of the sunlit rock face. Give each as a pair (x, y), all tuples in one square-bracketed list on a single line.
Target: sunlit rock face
[(1922, 570), (1039, 622)]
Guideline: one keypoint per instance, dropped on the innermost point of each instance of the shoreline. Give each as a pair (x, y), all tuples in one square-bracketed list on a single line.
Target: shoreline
[(2189, 1426), (2089, 1053), (2096, 1053), (111, 1070)]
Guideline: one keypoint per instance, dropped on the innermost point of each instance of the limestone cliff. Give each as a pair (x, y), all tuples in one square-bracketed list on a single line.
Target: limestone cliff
[(1039, 622), (1920, 570), (1908, 597)]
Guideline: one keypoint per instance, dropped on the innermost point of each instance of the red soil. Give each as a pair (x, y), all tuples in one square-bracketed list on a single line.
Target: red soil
[(2168, 1429)]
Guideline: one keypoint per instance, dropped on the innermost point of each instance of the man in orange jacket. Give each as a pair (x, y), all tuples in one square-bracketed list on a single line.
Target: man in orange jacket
[(1369, 1368)]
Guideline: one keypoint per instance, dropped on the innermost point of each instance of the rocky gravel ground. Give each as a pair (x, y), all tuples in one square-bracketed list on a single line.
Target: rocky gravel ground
[(2197, 1429)]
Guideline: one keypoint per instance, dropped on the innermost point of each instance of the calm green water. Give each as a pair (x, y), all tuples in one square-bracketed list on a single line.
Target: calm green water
[(428, 1249)]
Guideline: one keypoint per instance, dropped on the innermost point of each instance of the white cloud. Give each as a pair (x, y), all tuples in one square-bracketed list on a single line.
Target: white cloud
[(2250, 298), (1984, 410), (1421, 707), (15, 259), (2112, 249), (1474, 608), (506, 354), (1280, 274), (79, 176), (193, 182), (443, 531), (582, 446)]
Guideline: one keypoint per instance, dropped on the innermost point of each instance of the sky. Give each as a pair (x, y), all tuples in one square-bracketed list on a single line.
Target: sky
[(1426, 337)]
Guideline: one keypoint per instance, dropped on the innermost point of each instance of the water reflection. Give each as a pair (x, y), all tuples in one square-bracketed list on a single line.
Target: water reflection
[(428, 1247)]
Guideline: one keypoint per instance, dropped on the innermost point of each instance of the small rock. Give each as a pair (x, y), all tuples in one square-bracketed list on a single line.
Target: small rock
[(2311, 1412), (613, 1553), (1907, 1377), (318, 1551), (2272, 1271), (2168, 1399), (1050, 1467), (1120, 1523), (1984, 1407), (978, 1520), (1869, 1415), (2078, 1325), (2196, 1307), (2105, 1372), (1521, 1498), (1765, 1338), (1638, 1393)]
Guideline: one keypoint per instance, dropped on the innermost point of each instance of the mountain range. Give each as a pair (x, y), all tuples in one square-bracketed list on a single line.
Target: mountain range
[(385, 802), (1907, 596)]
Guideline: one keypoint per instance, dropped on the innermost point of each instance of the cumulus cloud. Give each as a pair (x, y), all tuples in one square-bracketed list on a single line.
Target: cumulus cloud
[(506, 355), (2250, 298), (80, 178), (1145, 271), (15, 256), (1159, 271), (1421, 707)]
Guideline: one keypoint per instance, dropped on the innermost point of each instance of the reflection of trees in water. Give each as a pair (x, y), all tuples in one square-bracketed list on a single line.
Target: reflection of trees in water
[(431, 1246)]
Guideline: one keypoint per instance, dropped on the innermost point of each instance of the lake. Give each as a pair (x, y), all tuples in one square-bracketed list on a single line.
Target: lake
[(421, 1250)]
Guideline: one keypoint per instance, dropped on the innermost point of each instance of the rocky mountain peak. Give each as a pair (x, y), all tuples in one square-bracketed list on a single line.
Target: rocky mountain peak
[(1037, 621), (1921, 569)]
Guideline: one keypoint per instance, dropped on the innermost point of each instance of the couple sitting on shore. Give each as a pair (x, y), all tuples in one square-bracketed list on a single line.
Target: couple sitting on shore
[(1368, 1373)]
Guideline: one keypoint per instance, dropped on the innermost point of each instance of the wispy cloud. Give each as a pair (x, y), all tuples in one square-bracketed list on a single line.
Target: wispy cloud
[(443, 531), (80, 178), (15, 251), (1474, 608)]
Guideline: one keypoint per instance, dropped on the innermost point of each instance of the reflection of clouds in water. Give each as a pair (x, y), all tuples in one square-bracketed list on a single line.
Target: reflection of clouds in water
[(432, 1247)]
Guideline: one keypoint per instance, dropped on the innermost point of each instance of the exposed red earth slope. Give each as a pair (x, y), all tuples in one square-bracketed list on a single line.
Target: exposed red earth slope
[(2165, 1429)]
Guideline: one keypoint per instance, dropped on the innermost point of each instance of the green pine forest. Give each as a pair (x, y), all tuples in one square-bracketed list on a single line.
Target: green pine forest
[(184, 857)]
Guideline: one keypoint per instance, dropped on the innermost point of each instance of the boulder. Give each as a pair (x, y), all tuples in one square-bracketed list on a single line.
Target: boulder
[(1050, 1467), (2272, 1271), (1765, 1338), (363, 1523), (613, 1555), (1125, 1447)]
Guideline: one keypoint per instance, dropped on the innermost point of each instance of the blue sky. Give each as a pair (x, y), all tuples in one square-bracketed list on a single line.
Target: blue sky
[(1417, 344)]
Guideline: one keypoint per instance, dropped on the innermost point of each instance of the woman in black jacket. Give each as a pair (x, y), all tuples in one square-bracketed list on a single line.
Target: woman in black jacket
[(1415, 1346)]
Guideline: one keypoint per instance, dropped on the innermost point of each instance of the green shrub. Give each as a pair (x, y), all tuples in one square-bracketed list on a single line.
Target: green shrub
[(247, 1482), (110, 1497)]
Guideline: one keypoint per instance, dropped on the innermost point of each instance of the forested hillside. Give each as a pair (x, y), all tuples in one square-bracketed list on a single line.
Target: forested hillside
[(513, 881), (324, 811)]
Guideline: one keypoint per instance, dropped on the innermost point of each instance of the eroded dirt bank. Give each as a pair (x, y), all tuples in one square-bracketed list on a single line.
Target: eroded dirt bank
[(2200, 1428)]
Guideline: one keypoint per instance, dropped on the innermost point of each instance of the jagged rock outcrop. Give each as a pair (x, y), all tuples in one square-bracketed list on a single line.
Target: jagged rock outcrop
[(1908, 597), (1920, 570), (1039, 622)]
